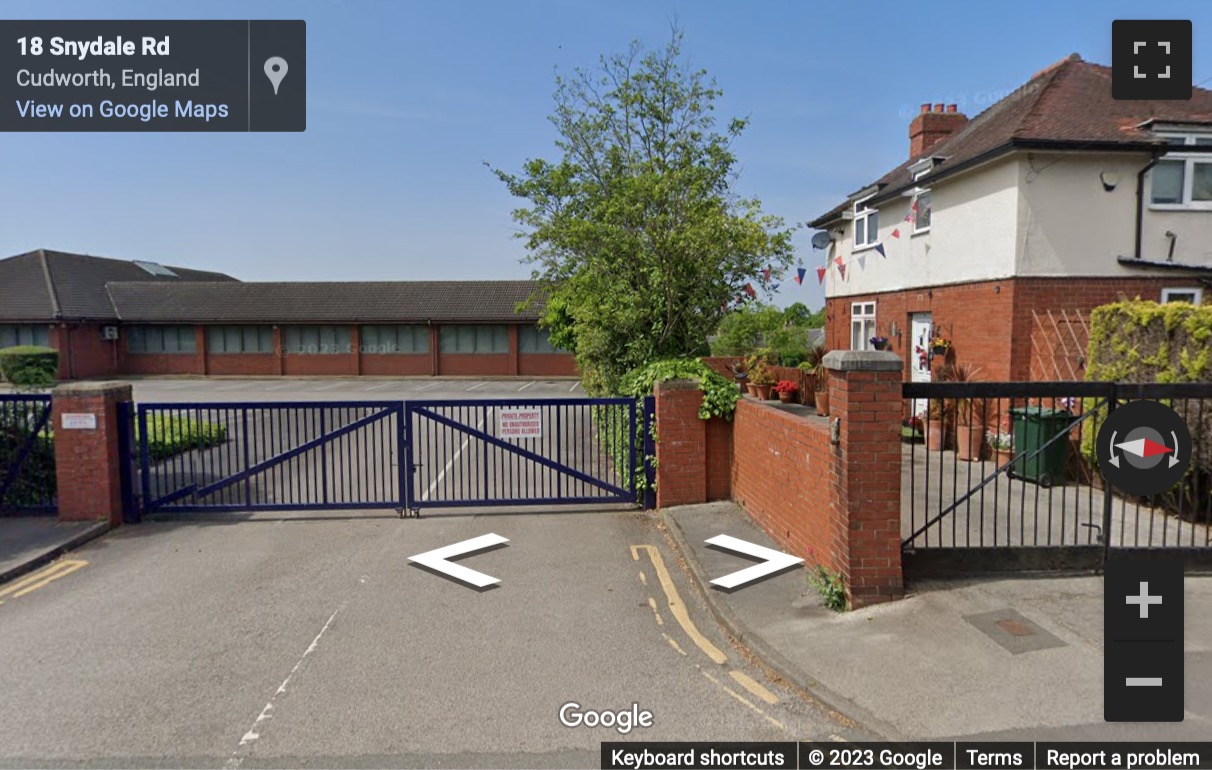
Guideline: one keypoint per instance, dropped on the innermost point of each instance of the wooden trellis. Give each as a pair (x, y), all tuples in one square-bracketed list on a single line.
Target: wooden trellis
[(1059, 340)]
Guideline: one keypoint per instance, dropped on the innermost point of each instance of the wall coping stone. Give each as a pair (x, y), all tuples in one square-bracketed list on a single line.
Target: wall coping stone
[(77, 389), (863, 361), (683, 384)]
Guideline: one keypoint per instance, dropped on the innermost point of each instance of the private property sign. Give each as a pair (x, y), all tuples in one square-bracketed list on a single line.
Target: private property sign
[(520, 423)]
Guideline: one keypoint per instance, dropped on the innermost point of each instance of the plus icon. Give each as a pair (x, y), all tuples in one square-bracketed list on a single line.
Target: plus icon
[(1150, 59), (1144, 600)]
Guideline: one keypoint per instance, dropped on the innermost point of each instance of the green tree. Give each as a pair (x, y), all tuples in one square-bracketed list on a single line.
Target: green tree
[(798, 314), (755, 326), (637, 236)]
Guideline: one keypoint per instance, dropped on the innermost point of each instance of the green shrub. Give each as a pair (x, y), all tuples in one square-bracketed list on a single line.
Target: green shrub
[(1140, 341), (719, 394), (29, 367), (169, 436), (35, 482)]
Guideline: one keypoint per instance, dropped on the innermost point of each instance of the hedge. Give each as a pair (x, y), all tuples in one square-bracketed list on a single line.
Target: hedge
[(1140, 341), (29, 367), (169, 436)]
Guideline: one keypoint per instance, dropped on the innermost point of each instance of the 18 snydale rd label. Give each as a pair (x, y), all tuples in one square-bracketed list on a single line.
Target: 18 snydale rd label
[(153, 76)]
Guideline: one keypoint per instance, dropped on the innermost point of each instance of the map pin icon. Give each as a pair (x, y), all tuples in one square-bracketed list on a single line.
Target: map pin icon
[(275, 70)]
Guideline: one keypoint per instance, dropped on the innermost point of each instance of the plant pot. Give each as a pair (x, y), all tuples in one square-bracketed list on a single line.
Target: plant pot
[(1003, 457), (969, 440), (936, 435), (753, 389), (938, 351), (822, 402), (763, 392), (881, 345), (787, 397)]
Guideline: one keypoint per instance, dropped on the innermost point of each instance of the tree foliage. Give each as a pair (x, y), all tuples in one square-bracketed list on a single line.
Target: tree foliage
[(756, 326), (29, 367), (635, 232)]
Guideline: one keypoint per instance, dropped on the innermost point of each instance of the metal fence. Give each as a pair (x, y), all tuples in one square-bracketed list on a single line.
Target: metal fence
[(27, 455), (1004, 475)]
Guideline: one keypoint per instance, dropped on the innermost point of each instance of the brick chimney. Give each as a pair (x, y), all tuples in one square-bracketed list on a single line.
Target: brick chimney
[(934, 124)]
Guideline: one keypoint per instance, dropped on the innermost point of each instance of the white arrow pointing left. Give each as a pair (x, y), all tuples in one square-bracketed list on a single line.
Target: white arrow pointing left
[(775, 561), (437, 559)]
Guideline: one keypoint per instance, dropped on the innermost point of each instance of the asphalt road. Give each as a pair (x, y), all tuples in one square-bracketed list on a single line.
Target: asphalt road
[(293, 640)]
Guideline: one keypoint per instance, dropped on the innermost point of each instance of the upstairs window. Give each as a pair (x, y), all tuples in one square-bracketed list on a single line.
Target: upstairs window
[(866, 224), (921, 216), (1182, 180)]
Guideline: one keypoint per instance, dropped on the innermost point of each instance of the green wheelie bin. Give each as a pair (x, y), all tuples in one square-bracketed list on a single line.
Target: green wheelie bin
[(1033, 427)]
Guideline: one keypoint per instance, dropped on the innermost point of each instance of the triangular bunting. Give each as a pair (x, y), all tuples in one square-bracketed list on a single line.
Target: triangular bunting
[(880, 248), (820, 274), (862, 260), (766, 274), (842, 269), (799, 275), (775, 286), (750, 290), (896, 233)]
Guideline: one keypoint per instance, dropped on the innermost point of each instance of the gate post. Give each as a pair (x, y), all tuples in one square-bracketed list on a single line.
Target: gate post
[(681, 472), (866, 405), (88, 458)]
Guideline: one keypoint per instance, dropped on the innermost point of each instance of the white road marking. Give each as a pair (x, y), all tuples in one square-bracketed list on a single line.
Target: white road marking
[(477, 386), (283, 386), (333, 386), (427, 387), (575, 385), (450, 463), (252, 735), (527, 385), (236, 386), (380, 386)]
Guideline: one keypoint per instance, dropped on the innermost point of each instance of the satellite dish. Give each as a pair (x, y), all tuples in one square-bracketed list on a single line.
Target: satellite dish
[(821, 240)]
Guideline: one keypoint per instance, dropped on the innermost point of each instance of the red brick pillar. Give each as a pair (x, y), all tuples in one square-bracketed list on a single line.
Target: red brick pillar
[(85, 416), (681, 446), (865, 404)]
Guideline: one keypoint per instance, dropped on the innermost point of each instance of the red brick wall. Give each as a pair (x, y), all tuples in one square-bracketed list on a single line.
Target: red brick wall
[(782, 473), (320, 364), (474, 364), (988, 322), (547, 365), (719, 459), (242, 363), (177, 363), (86, 461), (397, 365), (681, 472), (82, 351)]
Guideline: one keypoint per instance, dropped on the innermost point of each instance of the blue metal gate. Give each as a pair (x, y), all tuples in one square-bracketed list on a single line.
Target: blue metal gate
[(270, 456), (514, 452), (27, 455)]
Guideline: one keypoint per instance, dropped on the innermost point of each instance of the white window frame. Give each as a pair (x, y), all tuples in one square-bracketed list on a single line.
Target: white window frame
[(863, 316), (865, 214), (913, 202), (1189, 160), (1197, 291)]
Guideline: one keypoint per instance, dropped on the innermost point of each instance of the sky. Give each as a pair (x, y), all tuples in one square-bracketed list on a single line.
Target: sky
[(408, 101)]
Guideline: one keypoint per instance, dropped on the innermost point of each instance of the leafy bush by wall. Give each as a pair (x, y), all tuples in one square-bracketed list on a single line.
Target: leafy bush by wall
[(34, 485), (1139, 341), (29, 367)]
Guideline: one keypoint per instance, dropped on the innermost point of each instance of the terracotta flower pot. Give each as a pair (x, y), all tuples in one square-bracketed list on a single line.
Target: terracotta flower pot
[(753, 389), (936, 435), (969, 440), (1003, 456), (786, 396), (763, 392), (822, 402)]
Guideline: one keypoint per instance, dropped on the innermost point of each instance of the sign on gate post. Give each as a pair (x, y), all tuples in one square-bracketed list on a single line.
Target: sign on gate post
[(520, 423)]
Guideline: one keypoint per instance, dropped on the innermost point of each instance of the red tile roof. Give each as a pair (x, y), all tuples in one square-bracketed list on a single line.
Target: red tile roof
[(1067, 106)]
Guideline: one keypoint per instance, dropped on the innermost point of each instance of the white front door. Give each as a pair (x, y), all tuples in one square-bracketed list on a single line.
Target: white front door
[(920, 325)]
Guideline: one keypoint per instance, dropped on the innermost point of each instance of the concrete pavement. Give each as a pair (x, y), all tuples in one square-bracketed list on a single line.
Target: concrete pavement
[(28, 542), (1017, 658)]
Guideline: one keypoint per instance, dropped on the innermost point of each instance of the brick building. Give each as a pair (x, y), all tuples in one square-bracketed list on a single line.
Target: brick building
[(1051, 202), (112, 317)]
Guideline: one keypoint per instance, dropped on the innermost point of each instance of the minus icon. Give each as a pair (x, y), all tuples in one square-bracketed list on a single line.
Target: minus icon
[(1143, 681)]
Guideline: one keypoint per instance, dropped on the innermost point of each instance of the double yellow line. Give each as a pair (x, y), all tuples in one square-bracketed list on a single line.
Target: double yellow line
[(40, 578)]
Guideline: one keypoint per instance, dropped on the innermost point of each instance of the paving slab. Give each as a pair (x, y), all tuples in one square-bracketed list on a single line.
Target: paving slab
[(1007, 657), (28, 542)]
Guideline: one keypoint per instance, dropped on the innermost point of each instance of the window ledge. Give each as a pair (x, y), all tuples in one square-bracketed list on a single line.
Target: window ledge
[(868, 247), (1202, 207), (923, 231)]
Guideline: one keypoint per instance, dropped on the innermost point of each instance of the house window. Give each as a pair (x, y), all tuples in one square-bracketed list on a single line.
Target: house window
[(1182, 180), (397, 338), (160, 339), (240, 339), (474, 338), (532, 339), (316, 340), (1193, 295), (862, 325), (866, 224), (12, 335), (921, 217)]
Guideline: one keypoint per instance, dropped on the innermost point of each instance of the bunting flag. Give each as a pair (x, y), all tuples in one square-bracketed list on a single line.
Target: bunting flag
[(862, 260), (766, 274), (820, 274), (842, 269), (775, 286), (799, 275), (896, 233), (909, 216), (880, 248), (750, 290)]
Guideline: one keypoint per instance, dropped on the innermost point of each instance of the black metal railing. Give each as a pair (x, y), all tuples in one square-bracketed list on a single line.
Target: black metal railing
[(27, 455), (1006, 467)]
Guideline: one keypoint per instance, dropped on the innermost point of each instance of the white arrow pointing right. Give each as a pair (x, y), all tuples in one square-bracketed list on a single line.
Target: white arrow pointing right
[(437, 559), (775, 561)]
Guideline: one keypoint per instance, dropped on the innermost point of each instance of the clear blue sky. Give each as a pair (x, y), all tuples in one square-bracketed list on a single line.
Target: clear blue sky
[(408, 99)]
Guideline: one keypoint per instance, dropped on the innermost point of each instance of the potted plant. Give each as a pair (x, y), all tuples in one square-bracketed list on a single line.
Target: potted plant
[(969, 413), (822, 383), (807, 384), (940, 345), (740, 373), (880, 343), (936, 424), (786, 390), (761, 378), (1003, 447)]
